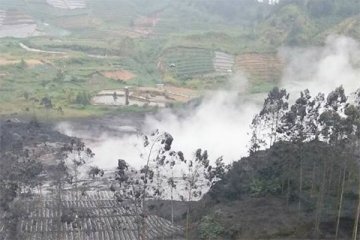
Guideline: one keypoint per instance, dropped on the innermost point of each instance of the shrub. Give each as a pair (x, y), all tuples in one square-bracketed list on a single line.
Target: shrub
[(210, 229)]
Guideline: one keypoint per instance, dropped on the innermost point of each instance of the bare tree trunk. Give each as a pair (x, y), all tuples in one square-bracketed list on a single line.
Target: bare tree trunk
[(300, 182), (188, 214), (356, 223), (341, 200), (288, 186), (172, 206), (188, 222), (59, 205), (320, 202), (313, 179)]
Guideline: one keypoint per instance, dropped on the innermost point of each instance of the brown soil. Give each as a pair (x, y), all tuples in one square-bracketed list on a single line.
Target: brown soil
[(119, 75), (177, 94), (29, 62), (266, 67)]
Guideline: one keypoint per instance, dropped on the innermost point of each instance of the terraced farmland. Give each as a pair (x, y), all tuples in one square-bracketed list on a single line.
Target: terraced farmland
[(100, 217), (67, 4), (2, 17), (223, 62), (187, 62), (260, 67), (14, 23)]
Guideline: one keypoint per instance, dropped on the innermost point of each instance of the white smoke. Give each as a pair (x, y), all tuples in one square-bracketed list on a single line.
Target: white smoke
[(220, 124), (322, 69)]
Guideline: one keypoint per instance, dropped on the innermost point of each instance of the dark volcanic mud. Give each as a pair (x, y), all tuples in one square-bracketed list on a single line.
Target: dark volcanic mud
[(115, 125), (40, 138), (13, 131)]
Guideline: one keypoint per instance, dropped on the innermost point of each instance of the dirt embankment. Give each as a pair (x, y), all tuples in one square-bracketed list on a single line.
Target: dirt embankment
[(123, 75), (29, 62)]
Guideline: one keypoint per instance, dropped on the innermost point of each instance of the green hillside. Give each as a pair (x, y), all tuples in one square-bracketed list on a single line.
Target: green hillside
[(147, 37)]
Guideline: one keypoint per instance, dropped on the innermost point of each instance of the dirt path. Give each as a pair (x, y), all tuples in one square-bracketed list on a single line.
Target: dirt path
[(23, 46)]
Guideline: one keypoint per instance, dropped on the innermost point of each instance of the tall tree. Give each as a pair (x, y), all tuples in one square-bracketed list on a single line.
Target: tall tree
[(19, 174), (76, 155), (138, 186), (274, 108), (332, 132)]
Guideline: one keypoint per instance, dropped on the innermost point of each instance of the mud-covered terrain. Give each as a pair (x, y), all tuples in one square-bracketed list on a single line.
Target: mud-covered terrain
[(114, 125), (39, 138)]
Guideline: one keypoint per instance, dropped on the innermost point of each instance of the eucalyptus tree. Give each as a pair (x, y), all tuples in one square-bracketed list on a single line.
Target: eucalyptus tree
[(299, 125), (257, 139), (20, 173), (351, 129), (353, 114), (75, 156), (164, 168), (138, 185), (175, 157), (274, 108), (199, 175), (60, 176), (334, 131)]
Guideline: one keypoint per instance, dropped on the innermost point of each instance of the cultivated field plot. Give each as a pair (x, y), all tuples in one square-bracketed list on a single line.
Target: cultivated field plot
[(2, 17), (223, 62), (119, 75), (260, 67), (187, 62), (161, 96), (67, 4), (14, 23), (191, 62), (100, 217)]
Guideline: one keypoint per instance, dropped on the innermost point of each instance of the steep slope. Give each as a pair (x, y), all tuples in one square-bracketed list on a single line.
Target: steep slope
[(349, 27), (261, 195), (288, 25)]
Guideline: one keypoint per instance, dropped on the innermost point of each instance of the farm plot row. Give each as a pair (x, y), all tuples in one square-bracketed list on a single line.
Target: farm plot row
[(223, 62), (260, 66), (93, 217), (67, 4), (11, 4), (14, 23), (2, 16), (14, 17), (186, 62)]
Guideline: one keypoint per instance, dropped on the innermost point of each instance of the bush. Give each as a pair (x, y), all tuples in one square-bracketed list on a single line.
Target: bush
[(259, 187), (83, 98), (210, 229)]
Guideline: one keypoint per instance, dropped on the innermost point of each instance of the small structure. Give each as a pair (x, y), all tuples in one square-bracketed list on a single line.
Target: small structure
[(160, 86), (126, 96)]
